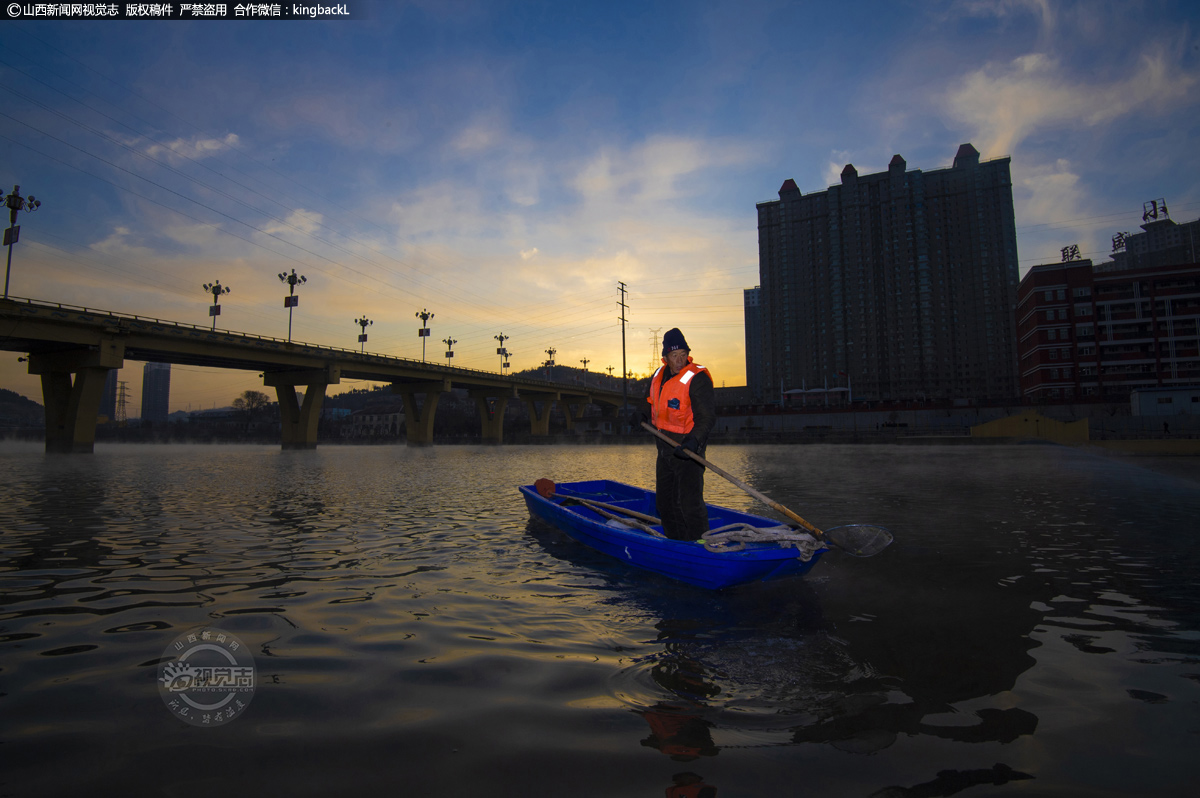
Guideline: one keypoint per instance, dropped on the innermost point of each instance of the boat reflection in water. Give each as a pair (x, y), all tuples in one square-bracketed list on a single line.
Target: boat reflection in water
[(760, 667)]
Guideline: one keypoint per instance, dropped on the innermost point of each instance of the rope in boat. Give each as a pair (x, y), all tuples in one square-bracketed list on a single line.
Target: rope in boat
[(734, 537)]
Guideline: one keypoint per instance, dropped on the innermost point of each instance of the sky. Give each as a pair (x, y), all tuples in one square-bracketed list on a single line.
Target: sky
[(507, 165)]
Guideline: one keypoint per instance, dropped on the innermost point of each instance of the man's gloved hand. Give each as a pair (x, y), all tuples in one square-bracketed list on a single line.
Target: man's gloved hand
[(638, 419), (689, 444)]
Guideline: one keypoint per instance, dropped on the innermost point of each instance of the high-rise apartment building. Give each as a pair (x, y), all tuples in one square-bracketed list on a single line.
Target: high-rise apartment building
[(108, 399), (901, 284), (754, 359), (156, 392)]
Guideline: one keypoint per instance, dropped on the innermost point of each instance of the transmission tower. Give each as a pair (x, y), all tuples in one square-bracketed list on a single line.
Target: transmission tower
[(121, 395), (654, 355)]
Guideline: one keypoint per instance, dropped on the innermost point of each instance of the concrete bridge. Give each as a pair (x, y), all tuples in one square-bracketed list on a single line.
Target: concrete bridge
[(72, 349)]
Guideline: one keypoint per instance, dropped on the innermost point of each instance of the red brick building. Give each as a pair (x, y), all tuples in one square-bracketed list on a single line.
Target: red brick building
[(1083, 333)]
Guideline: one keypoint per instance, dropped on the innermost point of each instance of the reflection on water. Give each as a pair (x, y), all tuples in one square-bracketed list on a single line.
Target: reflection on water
[(1034, 626)]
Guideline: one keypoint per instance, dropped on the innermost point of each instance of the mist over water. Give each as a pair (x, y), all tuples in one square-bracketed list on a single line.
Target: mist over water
[(1034, 629)]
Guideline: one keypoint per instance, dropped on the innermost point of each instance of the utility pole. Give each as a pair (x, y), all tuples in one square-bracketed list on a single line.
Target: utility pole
[(15, 204), (501, 351), (424, 315), (214, 310), (291, 300), (363, 322), (624, 368)]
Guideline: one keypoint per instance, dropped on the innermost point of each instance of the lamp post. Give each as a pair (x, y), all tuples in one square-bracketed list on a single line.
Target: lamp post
[(364, 323), (423, 333), (214, 310), (501, 351), (15, 204), (291, 300), (449, 342), (549, 361), (585, 361)]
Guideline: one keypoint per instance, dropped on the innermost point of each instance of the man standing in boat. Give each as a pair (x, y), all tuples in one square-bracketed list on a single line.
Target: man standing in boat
[(682, 405)]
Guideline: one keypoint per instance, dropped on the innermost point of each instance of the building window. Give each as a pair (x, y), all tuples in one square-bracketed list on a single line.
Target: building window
[(1049, 296), (1051, 334), (1085, 291), (1083, 310), (1062, 294)]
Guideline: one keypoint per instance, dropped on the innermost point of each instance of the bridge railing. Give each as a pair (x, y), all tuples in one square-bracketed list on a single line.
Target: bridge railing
[(354, 353)]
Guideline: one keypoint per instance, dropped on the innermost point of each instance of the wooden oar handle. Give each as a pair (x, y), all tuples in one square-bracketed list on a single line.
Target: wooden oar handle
[(649, 519), (774, 505)]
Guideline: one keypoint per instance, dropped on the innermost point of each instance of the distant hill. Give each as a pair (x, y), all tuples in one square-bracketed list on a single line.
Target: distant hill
[(17, 411)]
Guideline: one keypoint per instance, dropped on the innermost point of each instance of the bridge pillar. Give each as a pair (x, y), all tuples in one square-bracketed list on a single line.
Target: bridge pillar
[(298, 422), (73, 405), (539, 421), (573, 409), (491, 415), (418, 419)]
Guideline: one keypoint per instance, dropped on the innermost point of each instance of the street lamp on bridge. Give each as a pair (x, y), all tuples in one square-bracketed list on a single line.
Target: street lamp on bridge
[(449, 342), (424, 315), (585, 361), (364, 323), (501, 351), (550, 361), (291, 300), (214, 310), (15, 204)]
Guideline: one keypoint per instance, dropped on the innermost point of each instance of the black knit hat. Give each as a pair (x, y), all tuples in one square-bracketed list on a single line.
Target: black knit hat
[(674, 340)]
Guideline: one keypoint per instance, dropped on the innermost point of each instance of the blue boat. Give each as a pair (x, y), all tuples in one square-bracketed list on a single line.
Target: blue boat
[(604, 515)]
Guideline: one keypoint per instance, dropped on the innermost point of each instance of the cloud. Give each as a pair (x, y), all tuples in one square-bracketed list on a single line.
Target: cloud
[(652, 171), (1004, 104), (306, 222), (834, 167), (194, 148), (479, 136), (526, 254)]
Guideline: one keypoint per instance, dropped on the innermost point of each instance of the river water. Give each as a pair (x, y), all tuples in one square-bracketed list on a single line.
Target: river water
[(1034, 630)]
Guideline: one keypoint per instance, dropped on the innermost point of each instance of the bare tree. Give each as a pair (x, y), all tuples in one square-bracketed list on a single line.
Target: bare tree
[(251, 403)]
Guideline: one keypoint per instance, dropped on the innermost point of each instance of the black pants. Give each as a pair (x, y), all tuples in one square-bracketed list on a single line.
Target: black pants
[(680, 498)]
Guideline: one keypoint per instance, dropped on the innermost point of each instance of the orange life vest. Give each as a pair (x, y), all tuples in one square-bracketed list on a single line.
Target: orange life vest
[(671, 404)]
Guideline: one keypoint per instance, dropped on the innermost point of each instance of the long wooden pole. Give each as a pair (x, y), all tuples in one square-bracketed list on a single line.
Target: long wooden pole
[(774, 505)]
